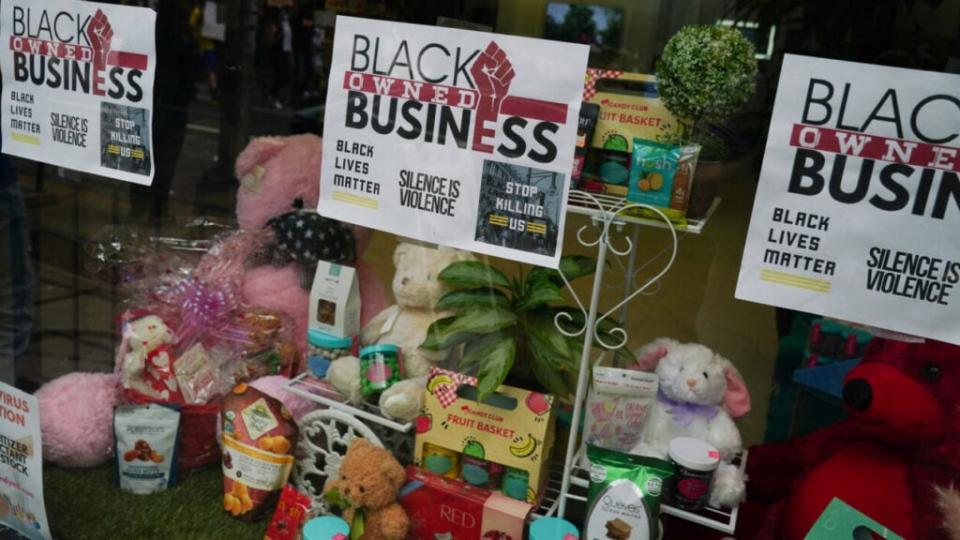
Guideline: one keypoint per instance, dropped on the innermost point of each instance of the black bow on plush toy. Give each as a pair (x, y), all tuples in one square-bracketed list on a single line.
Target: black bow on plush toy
[(307, 237)]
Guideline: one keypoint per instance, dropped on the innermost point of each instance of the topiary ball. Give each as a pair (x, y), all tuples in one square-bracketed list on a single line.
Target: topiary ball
[(706, 72)]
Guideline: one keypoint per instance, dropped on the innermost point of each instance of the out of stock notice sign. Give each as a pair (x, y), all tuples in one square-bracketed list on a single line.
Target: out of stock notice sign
[(857, 213), (78, 85), (452, 137)]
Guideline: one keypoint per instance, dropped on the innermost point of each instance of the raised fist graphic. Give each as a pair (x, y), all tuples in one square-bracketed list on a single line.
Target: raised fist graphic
[(100, 34), (493, 73)]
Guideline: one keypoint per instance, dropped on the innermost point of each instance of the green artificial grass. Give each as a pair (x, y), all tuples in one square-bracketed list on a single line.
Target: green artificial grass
[(85, 504)]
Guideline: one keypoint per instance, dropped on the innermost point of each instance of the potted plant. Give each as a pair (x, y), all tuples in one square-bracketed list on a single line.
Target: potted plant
[(507, 326), (705, 74)]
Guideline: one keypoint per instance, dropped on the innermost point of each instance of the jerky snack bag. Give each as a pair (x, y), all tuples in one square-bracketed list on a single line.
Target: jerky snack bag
[(259, 437), (589, 112), (146, 447), (624, 498)]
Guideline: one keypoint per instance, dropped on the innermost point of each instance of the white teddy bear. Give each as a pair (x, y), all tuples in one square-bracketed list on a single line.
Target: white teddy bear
[(416, 289), (700, 394), (140, 337)]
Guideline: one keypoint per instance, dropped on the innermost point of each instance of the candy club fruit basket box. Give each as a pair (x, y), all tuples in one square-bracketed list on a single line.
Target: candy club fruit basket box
[(630, 107), (502, 444)]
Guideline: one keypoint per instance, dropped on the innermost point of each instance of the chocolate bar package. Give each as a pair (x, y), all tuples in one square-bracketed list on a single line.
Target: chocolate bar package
[(624, 498)]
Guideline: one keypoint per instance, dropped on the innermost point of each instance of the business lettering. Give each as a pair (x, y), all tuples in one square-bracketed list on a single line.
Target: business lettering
[(72, 51)]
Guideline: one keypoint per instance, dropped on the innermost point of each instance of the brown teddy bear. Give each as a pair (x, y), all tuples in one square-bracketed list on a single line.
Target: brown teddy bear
[(370, 478)]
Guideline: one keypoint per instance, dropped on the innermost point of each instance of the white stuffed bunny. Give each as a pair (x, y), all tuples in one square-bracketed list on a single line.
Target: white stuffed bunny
[(416, 288), (700, 394)]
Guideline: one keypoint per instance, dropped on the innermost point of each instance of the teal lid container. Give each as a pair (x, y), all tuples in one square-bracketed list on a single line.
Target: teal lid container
[(384, 348), (328, 341), (551, 528), (326, 528)]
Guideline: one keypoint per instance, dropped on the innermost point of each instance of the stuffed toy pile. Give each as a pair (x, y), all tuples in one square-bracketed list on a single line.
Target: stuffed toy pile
[(253, 277), (896, 459)]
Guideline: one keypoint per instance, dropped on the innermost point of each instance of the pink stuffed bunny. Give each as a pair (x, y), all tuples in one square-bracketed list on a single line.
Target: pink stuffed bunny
[(700, 395), (279, 175)]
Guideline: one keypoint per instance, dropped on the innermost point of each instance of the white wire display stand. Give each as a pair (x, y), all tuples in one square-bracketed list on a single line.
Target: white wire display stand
[(613, 230), (307, 386), (606, 232)]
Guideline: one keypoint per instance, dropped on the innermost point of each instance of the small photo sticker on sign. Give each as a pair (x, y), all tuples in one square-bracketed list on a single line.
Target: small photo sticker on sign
[(519, 207)]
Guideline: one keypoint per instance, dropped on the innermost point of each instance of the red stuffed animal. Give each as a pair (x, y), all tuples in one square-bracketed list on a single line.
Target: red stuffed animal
[(896, 459)]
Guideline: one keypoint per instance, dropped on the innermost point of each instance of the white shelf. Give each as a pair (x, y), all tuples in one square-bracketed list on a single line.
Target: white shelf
[(581, 203), (719, 519), (308, 386)]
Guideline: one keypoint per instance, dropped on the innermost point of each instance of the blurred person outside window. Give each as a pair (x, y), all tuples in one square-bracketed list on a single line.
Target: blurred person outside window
[(16, 275), (282, 48), (207, 47), (304, 51)]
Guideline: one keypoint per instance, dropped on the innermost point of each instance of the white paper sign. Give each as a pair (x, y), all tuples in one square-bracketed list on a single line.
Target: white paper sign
[(21, 466), (857, 213), (78, 85), (451, 136)]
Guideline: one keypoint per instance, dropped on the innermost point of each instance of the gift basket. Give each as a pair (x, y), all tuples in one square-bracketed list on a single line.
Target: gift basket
[(186, 338)]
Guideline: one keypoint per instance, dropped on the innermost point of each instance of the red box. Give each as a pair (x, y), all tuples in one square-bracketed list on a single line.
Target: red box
[(441, 508)]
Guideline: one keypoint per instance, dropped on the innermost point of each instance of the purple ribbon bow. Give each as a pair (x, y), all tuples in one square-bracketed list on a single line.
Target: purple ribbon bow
[(206, 311), (683, 413)]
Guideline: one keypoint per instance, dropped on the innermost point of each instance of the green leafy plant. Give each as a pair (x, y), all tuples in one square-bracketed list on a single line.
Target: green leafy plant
[(507, 325), (705, 75)]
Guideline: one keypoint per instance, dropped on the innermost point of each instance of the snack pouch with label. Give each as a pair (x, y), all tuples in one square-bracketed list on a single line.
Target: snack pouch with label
[(146, 447), (259, 438), (616, 408), (661, 176), (624, 498)]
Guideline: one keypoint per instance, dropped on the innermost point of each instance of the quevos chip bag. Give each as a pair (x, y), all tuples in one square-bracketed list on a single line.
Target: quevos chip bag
[(147, 438), (624, 498)]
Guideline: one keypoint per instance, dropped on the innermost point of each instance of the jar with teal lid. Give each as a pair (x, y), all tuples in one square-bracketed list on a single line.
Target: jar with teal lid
[(514, 483), (380, 367), (552, 528), (324, 348), (326, 528)]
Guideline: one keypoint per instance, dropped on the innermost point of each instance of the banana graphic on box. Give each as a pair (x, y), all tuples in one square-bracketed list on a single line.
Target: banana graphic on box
[(438, 380), (525, 448)]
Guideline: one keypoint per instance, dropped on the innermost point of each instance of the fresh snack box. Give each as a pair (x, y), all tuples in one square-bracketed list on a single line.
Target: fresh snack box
[(630, 107), (661, 175), (513, 430), (439, 507)]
